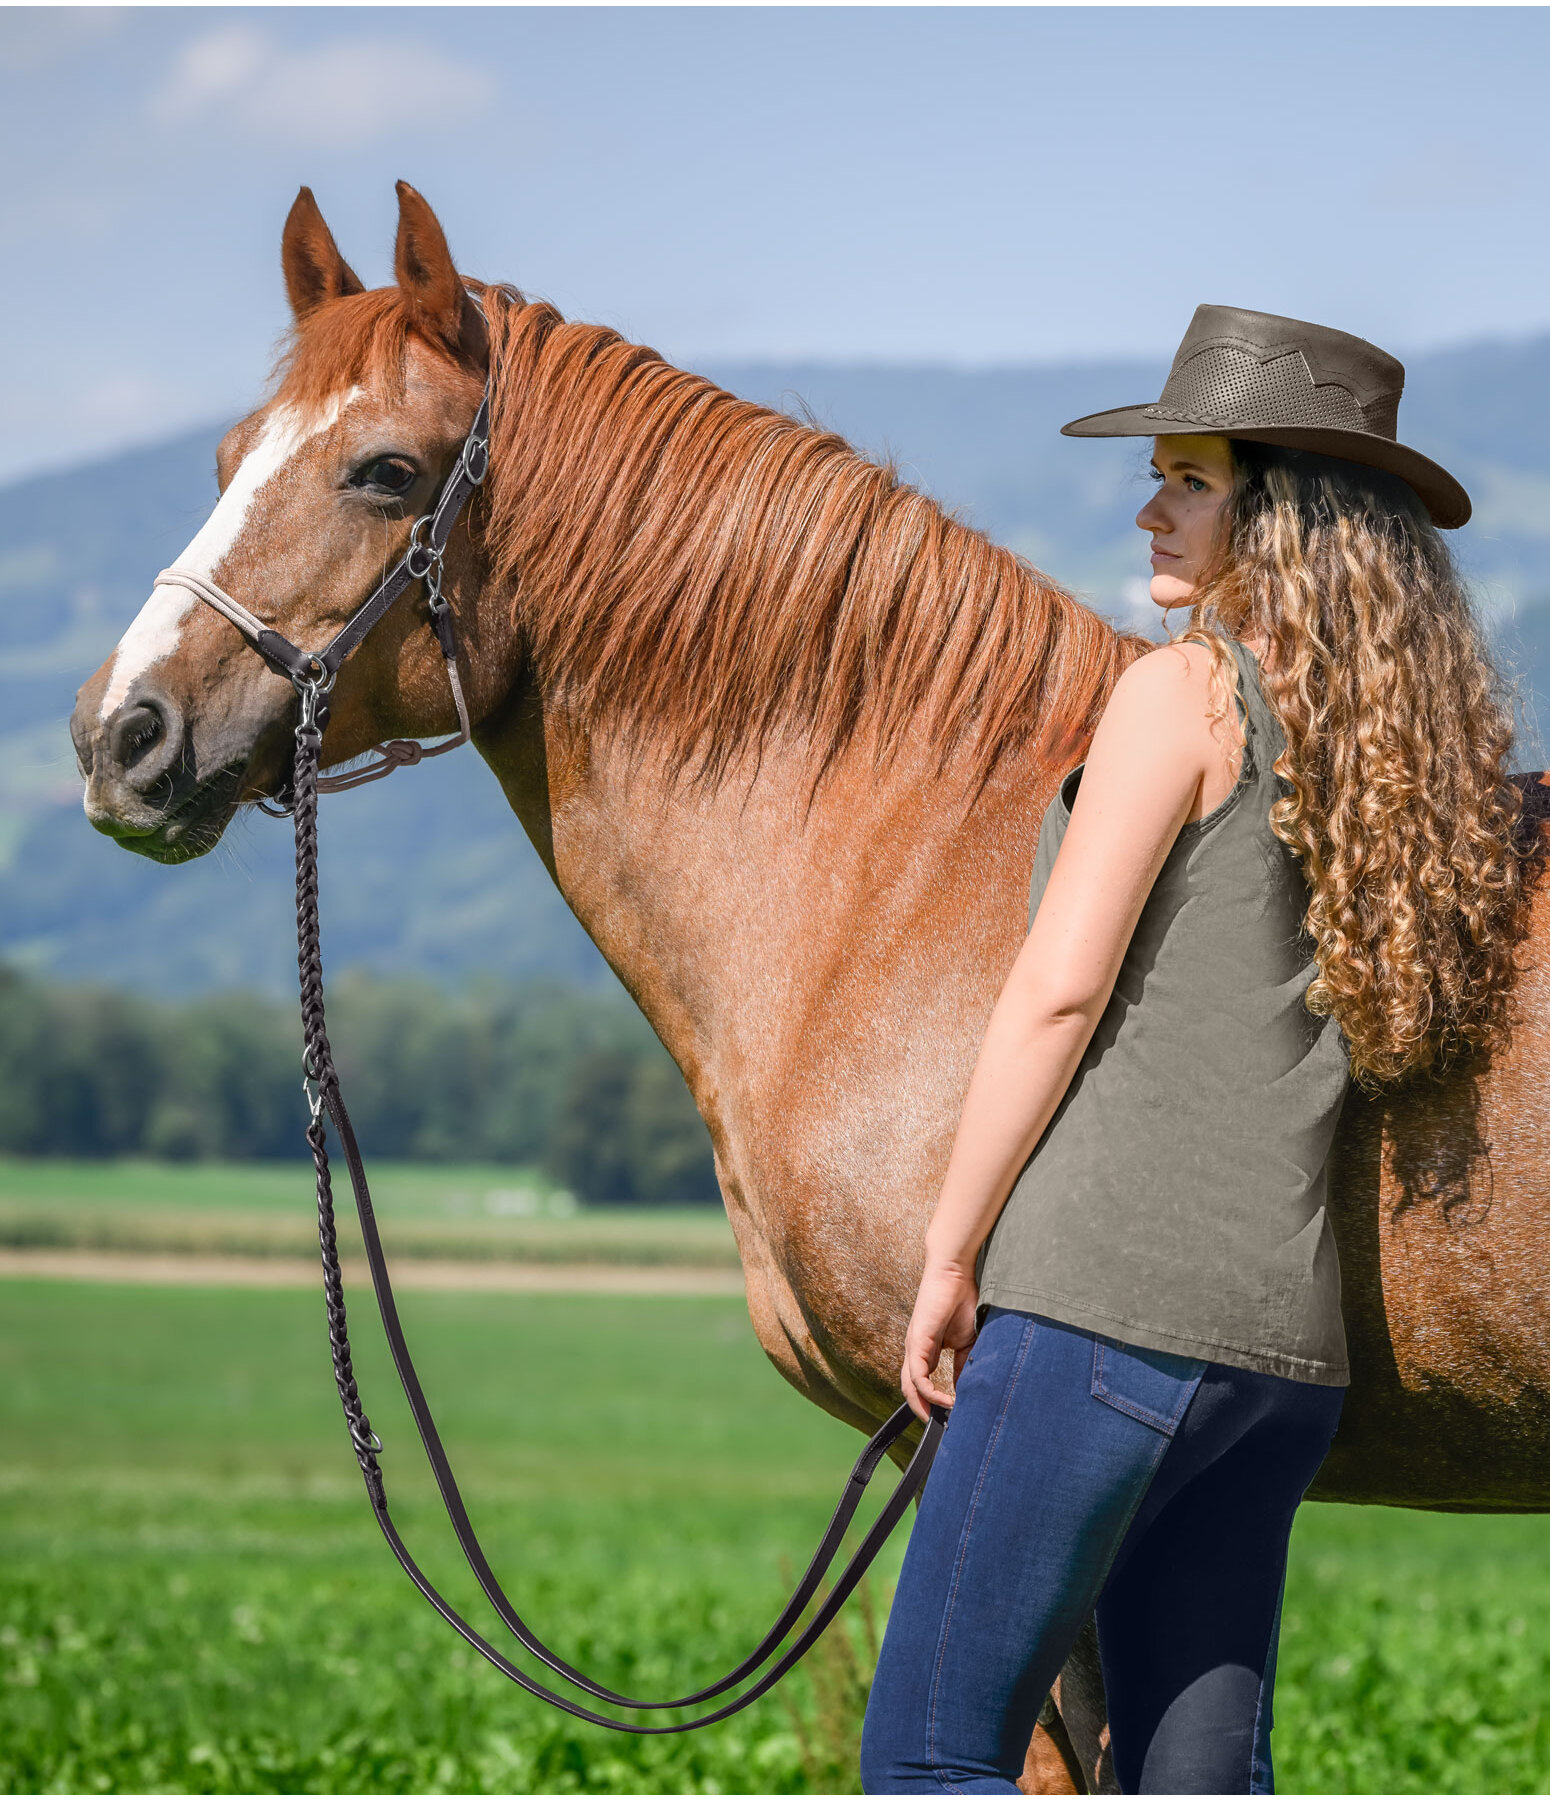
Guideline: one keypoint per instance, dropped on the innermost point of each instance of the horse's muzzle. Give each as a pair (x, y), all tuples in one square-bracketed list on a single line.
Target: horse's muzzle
[(142, 788)]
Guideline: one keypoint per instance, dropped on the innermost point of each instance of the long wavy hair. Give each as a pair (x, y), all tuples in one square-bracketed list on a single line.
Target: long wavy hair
[(1396, 797)]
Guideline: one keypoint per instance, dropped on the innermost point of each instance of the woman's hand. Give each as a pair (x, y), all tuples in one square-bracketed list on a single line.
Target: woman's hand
[(943, 1319)]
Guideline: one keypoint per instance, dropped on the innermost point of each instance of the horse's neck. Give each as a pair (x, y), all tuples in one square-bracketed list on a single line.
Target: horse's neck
[(823, 978), (752, 929)]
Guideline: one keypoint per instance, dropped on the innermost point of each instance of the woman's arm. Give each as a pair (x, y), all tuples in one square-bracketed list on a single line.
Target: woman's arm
[(1143, 772)]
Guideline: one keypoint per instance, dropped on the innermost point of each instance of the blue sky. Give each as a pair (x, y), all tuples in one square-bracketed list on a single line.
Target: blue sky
[(970, 185)]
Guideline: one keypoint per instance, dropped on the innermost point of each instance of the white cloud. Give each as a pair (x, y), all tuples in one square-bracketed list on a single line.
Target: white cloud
[(326, 96), (214, 68), (1136, 593)]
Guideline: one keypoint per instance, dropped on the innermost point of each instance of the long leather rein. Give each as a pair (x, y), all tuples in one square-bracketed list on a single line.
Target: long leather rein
[(313, 675)]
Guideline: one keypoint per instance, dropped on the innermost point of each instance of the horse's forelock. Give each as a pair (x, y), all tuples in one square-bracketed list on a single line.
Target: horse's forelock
[(358, 340)]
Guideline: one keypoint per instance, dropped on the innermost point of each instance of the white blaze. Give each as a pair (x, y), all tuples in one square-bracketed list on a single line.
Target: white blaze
[(154, 634)]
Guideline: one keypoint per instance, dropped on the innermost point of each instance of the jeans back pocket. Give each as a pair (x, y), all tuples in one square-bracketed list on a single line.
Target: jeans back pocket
[(1153, 1386)]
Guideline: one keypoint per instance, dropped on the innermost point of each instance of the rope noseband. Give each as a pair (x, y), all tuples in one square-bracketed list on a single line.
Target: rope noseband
[(313, 676)]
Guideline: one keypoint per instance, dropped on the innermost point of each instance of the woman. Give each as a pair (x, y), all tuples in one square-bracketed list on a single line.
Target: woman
[(1230, 922)]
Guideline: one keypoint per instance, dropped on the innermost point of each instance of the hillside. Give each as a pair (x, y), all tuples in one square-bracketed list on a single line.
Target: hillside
[(430, 873)]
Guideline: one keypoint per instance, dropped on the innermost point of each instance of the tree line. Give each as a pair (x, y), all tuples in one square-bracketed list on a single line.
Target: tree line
[(538, 1074)]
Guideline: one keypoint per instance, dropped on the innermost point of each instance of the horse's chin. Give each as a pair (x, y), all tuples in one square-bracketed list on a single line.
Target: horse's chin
[(187, 830)]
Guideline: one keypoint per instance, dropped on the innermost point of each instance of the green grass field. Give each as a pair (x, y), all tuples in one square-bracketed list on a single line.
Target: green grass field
[(468, 1210), (406, 1190), (193, 1596)]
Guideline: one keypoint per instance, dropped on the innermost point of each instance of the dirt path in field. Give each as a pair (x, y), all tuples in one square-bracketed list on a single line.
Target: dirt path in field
[(127, 1266)]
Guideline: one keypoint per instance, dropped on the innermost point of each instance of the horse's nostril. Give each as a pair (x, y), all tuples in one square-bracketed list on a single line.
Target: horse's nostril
[(136, 731), (143, 741)]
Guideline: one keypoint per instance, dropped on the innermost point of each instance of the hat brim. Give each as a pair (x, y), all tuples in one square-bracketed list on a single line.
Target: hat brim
[(1443, 497)]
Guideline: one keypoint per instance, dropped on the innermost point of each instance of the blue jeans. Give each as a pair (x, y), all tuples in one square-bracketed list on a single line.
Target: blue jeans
[(1078, 1474)]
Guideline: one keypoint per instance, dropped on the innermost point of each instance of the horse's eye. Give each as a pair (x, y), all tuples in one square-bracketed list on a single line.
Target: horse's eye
[(389, 474)]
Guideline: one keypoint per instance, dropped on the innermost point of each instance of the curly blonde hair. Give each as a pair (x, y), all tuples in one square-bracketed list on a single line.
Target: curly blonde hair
[(1398, 732)]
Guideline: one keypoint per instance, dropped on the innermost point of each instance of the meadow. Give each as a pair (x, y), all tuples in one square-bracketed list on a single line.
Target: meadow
[(475, 1211), (193, 1596)]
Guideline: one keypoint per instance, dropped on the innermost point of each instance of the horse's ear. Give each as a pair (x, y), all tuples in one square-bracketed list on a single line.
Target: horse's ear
[(314, 269), (441, 306)]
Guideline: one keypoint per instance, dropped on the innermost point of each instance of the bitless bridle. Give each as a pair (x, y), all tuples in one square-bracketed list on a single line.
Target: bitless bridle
[(313, 676)]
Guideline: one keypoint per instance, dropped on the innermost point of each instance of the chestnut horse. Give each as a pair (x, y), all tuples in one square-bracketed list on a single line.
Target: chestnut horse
[(782, 732)]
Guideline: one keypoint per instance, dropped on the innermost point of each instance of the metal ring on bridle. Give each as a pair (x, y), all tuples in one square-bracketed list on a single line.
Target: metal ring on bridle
[(476, 451), (418, 549)]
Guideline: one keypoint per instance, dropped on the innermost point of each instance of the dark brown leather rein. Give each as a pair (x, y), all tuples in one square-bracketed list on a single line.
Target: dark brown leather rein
[(313, 677)]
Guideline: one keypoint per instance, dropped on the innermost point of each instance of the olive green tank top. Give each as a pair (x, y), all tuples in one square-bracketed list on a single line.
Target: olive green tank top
[(1176, 1200)]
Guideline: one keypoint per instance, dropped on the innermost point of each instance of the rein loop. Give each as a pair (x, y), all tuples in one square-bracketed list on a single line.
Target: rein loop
[(313, 675)]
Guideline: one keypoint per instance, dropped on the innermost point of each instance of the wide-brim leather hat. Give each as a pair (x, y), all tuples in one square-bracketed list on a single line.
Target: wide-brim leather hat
[(1283, 381)]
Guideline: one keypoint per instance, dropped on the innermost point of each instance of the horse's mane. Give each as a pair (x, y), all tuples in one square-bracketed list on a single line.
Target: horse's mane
[(709, 575)]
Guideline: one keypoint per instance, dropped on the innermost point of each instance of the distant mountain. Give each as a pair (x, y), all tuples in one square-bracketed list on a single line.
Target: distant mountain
[(430, 872), (987, 443)]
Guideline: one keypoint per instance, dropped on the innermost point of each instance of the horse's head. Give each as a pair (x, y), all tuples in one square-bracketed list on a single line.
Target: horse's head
[(318, 491)]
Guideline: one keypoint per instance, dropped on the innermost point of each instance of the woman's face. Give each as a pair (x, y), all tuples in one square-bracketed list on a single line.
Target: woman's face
[(1194, 476)]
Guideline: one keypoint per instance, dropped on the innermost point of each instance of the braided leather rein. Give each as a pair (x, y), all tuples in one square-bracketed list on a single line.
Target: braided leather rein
[(313, 677)]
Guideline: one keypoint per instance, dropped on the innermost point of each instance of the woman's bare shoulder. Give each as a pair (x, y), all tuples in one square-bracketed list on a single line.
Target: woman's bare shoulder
[(1162, 708), (1172, 678), (1186, 660)]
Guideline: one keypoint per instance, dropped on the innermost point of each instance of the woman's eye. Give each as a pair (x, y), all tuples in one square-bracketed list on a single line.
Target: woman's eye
[(1154, 474), (392, 474), (1194, 484)]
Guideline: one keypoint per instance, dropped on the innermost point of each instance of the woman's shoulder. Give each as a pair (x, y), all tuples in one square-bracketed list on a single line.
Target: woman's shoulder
[(1173, 680), (1185, 658), (1164, 706)]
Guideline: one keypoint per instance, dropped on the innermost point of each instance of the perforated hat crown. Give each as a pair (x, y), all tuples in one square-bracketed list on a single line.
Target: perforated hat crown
[(1285, 381)]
